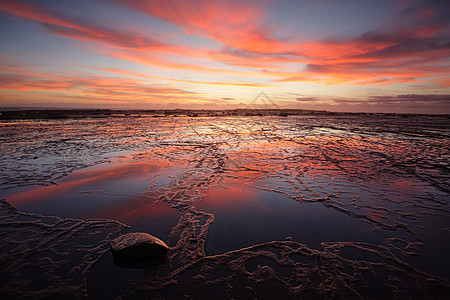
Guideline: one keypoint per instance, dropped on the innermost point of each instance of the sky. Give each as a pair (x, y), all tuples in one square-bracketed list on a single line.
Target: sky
[(346, 56)]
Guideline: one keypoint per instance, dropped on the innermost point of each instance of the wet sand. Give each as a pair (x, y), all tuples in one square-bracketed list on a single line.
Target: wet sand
[(310, 205)]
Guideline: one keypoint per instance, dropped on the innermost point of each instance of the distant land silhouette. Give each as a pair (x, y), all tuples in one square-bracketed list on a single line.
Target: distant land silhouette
[(18, 114)]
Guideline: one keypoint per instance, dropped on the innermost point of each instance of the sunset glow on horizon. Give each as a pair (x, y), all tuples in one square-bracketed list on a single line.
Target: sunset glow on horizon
[(355, 56)]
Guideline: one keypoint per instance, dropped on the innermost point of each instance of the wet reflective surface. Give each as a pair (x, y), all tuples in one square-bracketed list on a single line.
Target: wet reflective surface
[(329, 206)]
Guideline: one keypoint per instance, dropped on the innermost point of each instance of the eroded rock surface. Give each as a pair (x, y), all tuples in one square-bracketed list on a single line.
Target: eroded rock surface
[(381, 181)]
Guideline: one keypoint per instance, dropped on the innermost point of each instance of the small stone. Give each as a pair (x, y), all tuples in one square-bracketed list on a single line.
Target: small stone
[(138, 245)]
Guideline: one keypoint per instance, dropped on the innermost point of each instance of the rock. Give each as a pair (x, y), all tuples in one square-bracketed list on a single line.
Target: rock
[(138, 245)]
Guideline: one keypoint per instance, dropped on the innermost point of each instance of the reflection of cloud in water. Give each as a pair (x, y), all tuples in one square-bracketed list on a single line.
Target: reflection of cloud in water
[(228, 197), (245, 215), (99, 176)]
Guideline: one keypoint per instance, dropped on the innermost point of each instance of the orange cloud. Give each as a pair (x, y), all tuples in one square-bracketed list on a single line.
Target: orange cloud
[(83, 30), (234, 23), (85, 87), (415, 48), (376, 57), (137, 74)]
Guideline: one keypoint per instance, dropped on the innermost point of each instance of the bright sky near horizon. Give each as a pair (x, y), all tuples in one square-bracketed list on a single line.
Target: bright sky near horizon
[(357, 56)]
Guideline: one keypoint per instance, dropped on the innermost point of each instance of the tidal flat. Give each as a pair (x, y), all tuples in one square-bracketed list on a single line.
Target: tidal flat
[(310, 206)]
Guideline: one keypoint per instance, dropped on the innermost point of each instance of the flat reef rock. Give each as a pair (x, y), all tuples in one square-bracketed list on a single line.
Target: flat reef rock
[(138, 245)]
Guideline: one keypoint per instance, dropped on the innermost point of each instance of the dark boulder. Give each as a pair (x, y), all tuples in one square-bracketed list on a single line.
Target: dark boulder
[(138, 245)]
